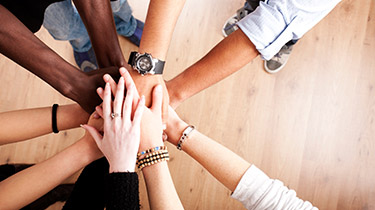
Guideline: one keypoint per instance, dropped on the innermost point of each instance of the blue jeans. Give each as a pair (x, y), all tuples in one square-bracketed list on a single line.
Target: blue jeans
[(63, 22)]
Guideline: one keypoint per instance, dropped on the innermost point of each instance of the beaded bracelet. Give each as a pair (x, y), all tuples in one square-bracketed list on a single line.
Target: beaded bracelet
[(151, 150), (152, 155), (140, 167), (184, 136), (153, 159)]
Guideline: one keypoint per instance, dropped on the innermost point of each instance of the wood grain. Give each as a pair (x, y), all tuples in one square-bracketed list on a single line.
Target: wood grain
[(310, 125)]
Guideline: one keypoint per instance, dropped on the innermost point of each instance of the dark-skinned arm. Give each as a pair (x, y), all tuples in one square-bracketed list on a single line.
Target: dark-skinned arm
[(19, 44), (227, 57), (98, 19)]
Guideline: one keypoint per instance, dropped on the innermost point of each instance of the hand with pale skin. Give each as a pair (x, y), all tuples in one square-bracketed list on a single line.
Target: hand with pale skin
[(141, 82), (151, 132), (121, 138)]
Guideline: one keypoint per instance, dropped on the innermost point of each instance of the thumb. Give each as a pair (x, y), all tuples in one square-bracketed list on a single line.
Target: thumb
[(157, 99)]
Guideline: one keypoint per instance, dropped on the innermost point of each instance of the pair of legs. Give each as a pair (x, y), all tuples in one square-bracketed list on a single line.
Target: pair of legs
[(276, 63), (63, 22)]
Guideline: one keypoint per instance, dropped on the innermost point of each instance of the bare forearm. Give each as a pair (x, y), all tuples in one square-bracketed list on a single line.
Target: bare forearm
[(161, 19), (19, 44), (30, 184), (29, 123), (227, 57), (226, 166), (98, 19), (160, 188)]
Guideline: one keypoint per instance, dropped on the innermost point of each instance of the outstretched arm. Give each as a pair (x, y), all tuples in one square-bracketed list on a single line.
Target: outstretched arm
[(29, 123), (160, 188), (249, 184), (98, 19), (227, 57), (31, 183), (19, 44), (218, 160)]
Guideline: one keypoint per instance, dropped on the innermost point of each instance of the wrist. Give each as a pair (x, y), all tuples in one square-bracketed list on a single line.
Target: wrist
[(75, 83), (87, 149), (175, 130), (176, 96)]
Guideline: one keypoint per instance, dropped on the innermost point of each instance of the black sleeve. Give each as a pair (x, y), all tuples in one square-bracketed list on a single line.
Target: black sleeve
[(122, 191)]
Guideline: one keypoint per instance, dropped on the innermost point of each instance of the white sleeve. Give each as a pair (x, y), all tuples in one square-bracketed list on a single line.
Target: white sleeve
[(275, 22), (257, 191)]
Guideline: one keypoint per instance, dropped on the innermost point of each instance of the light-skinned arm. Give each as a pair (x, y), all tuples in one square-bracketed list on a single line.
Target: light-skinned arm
[(160, 22), (225, 165), (227, 57), (25, 124), (249, 184), (160, 188), (26, 186)]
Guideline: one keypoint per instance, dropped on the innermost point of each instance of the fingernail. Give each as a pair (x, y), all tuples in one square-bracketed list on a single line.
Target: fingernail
[(158, 88), (164, 126), (81, 125)]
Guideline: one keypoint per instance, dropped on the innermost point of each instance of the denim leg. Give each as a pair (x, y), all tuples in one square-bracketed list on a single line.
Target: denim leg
[(124, 20), (63, 22)]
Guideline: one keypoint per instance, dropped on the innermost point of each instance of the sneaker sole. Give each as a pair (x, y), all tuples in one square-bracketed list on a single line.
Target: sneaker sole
[(276, 70)]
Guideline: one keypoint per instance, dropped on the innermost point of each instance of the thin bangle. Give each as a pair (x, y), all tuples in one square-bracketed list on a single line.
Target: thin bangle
[(54, 118), (184, 136)]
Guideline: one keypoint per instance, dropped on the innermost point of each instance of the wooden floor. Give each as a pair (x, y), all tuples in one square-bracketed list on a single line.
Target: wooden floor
[(310, 125)]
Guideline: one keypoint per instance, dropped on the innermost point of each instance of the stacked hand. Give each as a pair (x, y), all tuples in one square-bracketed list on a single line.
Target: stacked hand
[(122, 132)]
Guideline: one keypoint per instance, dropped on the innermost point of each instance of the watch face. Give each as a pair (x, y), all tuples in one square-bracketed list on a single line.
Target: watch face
[(144, 63)]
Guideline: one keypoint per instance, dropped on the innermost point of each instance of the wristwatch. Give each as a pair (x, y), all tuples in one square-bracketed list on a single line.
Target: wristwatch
[(145, 63)]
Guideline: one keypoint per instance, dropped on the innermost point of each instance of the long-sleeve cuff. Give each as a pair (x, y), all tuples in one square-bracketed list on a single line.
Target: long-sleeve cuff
[(122, 191), (257, 191)]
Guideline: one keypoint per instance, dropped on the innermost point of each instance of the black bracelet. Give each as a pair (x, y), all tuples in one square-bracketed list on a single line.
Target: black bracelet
[(54, 120)]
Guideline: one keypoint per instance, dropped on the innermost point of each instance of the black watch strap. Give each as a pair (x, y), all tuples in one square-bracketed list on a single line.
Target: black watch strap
[(131, 58), (159, 67)]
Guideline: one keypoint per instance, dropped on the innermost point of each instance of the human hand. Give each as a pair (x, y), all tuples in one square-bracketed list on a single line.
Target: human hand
[(125, 73), (151, 125), (175, 126), (145, 85), (121, 134), (84, 92), (97, 123)]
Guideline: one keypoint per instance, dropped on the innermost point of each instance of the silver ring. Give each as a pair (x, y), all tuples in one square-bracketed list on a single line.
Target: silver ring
[(113, 115)]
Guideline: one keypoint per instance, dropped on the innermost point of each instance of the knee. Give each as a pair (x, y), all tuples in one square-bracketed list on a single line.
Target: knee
[(59, 19)]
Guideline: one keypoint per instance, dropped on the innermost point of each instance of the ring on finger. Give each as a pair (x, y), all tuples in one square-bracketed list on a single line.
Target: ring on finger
[(113, 115)]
